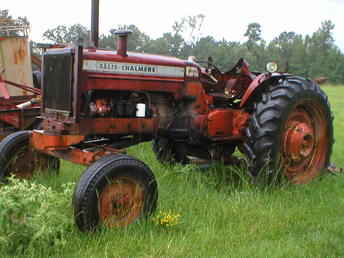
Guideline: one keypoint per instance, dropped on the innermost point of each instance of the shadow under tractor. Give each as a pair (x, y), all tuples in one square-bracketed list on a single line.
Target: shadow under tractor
[(97, 102)]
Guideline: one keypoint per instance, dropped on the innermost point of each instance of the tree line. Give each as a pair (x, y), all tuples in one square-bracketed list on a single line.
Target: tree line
[(311, 56)]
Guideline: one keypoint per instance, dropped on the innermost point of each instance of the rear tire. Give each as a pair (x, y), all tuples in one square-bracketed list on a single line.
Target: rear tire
[(114, 191), (19, 159), (290, 132)]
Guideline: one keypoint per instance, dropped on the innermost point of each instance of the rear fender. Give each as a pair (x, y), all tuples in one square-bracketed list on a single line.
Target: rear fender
[(260, 81)]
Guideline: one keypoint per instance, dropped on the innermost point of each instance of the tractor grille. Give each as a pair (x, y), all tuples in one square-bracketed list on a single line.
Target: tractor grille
[(57, 81)]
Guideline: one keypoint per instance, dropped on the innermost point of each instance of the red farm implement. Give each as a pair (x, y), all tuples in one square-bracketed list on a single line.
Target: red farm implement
[(16, 81)]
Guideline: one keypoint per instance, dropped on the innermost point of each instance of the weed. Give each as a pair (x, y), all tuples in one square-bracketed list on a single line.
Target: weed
[(31, 216), (166, 219)]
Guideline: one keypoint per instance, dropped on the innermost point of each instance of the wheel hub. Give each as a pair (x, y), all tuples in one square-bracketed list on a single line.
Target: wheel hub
[(304, 142), (121, 202), (299, 141)]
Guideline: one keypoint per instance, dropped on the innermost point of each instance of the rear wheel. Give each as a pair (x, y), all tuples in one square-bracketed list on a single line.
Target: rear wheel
[(290, 131), (115, 191), (19, 159)]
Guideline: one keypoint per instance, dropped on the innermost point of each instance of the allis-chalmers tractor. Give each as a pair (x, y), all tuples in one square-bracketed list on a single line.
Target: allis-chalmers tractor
[(96, 102)]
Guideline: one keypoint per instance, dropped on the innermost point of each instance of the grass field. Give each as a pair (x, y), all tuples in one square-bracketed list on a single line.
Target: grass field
[(220, 217)]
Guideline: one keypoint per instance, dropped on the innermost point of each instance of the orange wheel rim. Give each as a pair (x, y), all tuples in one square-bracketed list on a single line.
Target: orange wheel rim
[(305, 142), (121, 202)]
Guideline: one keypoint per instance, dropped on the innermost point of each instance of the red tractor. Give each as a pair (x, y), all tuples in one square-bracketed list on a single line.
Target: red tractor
[(97, 102)]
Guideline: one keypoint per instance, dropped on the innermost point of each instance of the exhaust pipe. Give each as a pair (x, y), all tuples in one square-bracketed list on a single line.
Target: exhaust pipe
[(95, 23), (122, 42)]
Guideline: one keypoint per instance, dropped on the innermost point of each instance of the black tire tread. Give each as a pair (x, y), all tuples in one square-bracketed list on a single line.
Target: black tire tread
[(87, 184), (267, 117), (10, 143)]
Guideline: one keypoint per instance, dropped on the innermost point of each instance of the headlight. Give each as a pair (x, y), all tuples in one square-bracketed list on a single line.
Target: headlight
[(271, 67), (191, 71)]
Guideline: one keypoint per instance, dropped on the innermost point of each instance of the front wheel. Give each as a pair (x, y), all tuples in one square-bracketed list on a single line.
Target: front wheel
[(18, 158), (115, 191), (290, 132)]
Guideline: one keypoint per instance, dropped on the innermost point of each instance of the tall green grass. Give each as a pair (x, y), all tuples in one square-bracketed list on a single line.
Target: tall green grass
[(221, 213)]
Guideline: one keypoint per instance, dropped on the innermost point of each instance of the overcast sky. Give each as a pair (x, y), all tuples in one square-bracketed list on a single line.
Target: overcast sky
[(224, 19)]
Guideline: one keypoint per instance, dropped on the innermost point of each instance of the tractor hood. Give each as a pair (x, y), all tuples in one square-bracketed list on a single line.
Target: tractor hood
[(110, 62), (110, 55)]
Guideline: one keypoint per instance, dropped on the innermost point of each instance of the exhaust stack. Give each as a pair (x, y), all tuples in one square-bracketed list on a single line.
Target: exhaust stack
[(95, 23), (122, 42)]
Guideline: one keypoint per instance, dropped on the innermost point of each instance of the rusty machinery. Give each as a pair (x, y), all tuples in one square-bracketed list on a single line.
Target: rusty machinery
[(19, 86), (96, 102)]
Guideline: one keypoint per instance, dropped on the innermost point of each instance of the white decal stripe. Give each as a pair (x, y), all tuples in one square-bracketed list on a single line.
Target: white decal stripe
[(133, 69)]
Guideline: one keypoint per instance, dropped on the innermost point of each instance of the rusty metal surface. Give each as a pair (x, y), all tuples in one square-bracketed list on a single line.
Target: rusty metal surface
[(20, 119), (11, 115), (304, 142), (226, 122), (78, 156), (43, 142), (104, 126), (15, 64), (60, 146), (121, 202)]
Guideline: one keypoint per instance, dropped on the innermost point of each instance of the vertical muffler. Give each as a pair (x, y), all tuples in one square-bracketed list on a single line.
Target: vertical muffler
[(95, 23)]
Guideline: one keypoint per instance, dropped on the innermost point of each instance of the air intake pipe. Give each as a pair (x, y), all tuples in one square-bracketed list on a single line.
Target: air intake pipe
[(122, 42)]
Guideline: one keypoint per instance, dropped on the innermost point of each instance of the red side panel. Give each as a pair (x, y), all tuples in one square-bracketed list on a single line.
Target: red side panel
[(224, 123)]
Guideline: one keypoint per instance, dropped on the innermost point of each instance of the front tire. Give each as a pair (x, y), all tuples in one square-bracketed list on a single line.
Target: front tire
[(290, 132), (114, 191), (18, 158)]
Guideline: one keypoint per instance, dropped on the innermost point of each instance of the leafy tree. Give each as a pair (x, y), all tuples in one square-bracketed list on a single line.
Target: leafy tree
[(169, 44), (253, 33), (63, 34), (319, 47), (310, 56), (137, 40), (255, 45), (284, 47)]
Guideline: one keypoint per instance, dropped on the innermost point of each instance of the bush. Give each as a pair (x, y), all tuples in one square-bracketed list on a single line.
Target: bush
[(33, 216)]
